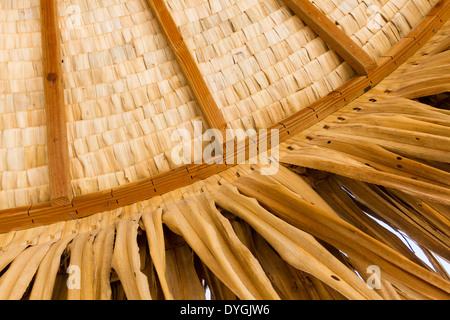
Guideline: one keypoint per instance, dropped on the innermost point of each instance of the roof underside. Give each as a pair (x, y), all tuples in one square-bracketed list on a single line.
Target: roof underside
[(92, 93)]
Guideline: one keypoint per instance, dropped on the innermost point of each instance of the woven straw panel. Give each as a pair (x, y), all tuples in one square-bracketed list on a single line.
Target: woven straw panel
[(376, 25), (124, 93), (23, 163), (260, 61)]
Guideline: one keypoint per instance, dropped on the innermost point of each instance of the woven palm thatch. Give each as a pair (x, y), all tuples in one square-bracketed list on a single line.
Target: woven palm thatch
[(363, 158)]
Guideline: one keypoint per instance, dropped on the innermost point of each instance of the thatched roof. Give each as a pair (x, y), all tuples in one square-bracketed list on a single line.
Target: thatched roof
[(94, 206)]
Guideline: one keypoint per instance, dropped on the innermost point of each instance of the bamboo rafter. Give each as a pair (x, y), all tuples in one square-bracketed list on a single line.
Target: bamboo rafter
[(208, 106), (333, 35), (57, 148)]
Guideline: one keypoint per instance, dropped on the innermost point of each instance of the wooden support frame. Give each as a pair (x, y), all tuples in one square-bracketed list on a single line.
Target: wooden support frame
[(57, 148), (351, 52), (211, 112)]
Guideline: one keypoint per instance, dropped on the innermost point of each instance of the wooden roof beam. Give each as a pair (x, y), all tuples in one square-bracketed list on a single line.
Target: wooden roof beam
[(211, 112), (351, 52), (57, 147)]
